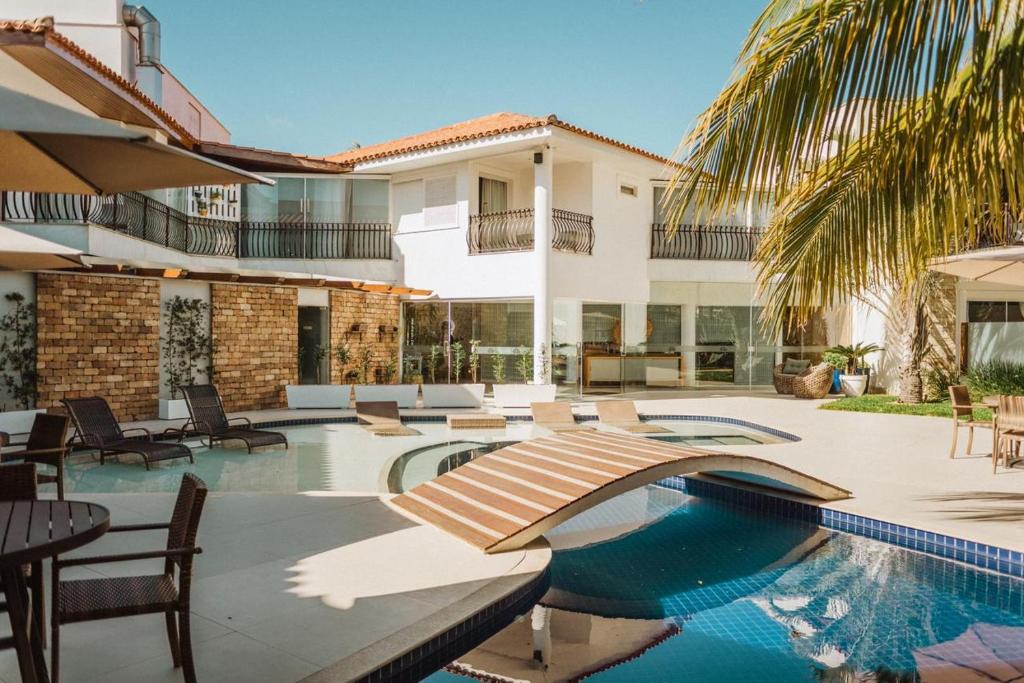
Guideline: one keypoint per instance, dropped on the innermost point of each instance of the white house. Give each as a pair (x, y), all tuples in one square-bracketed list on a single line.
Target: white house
[(542, 242)]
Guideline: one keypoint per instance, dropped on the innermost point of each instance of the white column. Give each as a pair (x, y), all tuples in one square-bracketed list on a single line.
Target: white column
[(542, 186)]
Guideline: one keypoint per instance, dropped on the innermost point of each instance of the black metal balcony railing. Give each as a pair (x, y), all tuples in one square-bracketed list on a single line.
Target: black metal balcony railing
[(705, 242), (137, 215), (502, 231)]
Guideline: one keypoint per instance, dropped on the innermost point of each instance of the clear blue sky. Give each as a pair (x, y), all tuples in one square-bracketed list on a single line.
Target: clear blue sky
[(314, 77)]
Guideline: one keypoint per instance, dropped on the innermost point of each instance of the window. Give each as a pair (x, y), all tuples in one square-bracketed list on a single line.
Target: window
[(628, 190), (493, 195), (439, 208), (995, 311)]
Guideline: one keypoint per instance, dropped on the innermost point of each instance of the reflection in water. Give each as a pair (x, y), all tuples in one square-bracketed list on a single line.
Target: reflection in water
[(710, 592)]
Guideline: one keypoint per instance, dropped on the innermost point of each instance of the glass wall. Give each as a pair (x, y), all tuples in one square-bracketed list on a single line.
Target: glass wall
[(317, 200), (995, 331), (696, 336), (465, 341)]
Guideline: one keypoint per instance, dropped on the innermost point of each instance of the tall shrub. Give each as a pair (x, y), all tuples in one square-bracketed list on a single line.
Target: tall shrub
[(18, 351), (996, 377), (187, 346)]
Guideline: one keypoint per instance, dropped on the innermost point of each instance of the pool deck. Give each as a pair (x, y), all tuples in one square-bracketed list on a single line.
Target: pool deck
[(897, 466), (327, 586)]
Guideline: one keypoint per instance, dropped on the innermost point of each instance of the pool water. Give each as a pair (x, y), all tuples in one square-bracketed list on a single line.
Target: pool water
[(698, 590)]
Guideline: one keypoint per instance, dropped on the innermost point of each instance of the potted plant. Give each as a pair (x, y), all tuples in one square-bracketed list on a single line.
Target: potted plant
[(454, 395), (857, 378), (403, 394), (18, 374), (522, 395), (838, 363), (187, 347)]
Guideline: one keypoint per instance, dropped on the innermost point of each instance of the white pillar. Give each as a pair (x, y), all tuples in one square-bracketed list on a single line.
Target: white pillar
[(542, 185)]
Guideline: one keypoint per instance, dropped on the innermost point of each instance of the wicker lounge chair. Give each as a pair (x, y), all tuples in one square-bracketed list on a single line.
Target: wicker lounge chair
[(126, 596), (46, 445), (382, 419), (556, 416), (207, 417), (623, 415), (97, 428), (814, 382), (960, 401)]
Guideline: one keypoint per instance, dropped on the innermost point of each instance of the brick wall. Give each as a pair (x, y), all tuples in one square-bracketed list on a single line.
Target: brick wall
[(99, 336), (255, 344), (370, 311)]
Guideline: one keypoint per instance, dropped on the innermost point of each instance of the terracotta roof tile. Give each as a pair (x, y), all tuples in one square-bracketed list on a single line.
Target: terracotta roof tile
[(44, 26), (475, 129)]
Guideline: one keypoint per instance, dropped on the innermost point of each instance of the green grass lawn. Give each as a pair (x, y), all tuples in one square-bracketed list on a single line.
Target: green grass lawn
[(878, 403)]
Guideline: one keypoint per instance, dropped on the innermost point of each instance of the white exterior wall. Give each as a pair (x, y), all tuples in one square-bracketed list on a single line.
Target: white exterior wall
[(24, 284), (187, 290), (94, 25)]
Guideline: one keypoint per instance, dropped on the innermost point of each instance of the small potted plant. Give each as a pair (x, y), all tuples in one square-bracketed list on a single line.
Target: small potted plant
[(455, 394), (838, 363), (404, 395), (857, 378), (522, 395)]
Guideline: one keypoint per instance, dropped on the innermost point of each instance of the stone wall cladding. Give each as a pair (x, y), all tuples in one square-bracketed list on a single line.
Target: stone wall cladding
[(255, 344), (99, 336), (370, 311)]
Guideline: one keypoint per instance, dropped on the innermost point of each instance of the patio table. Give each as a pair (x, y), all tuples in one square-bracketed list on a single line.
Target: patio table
[(32, 531)]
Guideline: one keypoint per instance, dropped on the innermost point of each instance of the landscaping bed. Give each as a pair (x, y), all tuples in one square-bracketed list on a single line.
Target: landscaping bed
[(878, 403)]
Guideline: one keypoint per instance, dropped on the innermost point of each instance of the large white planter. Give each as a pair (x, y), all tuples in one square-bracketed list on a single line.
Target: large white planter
[(173, 409), (453, 395), (522, 395), (18, 421), (402, 394), (854, 385), (318, 395)]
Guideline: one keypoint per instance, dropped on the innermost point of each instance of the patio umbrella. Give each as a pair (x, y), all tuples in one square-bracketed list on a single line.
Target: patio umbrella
[(50, 148), (19, 251), (998, 265)]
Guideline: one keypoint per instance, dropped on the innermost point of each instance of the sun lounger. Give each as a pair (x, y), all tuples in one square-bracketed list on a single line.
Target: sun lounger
[(96, 427), (556, 416), (382, 419), (207, 418), (623, 415)]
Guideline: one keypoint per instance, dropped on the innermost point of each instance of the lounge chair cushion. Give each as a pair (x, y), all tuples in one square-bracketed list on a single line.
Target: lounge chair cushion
[(794, 366)]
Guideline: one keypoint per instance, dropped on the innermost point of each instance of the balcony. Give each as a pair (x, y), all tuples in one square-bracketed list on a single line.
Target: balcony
[(507, 231), (705, 242), (142, 217)]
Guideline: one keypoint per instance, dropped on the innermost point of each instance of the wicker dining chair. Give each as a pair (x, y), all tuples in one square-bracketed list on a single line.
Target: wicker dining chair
[(19, 481), (963, 416), (46, 445), (126, 596), (1010, 434)]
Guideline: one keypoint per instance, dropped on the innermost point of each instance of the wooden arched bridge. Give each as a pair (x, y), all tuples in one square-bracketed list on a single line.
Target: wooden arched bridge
[(505, 499)]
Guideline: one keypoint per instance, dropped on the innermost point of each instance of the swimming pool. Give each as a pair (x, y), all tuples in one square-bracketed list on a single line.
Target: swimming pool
[(689, 588), (336, 457)]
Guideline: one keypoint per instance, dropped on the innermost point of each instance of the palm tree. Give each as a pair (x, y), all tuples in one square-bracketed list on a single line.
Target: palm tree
[(884, 133)]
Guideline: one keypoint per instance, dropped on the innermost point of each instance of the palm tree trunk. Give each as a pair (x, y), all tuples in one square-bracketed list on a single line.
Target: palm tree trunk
[(910, 382)]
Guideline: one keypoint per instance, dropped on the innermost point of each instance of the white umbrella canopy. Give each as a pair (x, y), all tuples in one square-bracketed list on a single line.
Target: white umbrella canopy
[(49, 148), (19, 251), (998, 265)]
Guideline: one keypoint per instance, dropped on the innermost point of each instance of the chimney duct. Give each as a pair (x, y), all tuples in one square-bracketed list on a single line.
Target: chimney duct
[(141, 18)]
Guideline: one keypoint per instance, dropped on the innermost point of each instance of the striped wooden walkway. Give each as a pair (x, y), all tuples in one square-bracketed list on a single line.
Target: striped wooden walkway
[(505, 499)]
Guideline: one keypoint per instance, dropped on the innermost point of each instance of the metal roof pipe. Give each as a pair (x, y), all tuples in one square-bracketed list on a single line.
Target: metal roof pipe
[(141, 18)]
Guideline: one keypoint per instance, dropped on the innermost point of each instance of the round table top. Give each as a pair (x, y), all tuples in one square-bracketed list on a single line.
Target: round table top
[(37, 529)]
